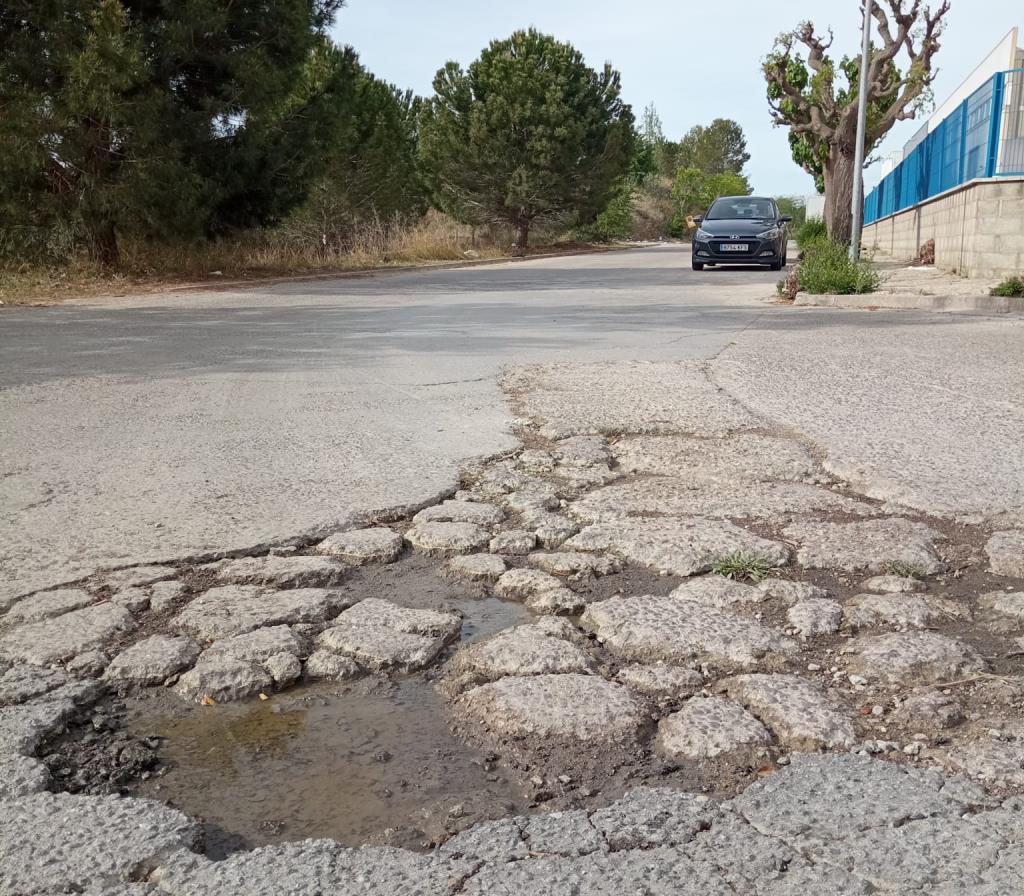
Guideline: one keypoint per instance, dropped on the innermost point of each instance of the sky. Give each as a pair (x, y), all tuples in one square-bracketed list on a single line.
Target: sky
[(696, 61)]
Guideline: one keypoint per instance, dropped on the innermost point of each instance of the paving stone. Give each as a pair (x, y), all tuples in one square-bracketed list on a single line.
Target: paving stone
[(138, 576), (675, 546), (1009, 604), (284, 668), (154, 659), (534, 460), (379, 635), (311, 868), (497, 841), (257, 646), (542, 592), (791, 592), (24, 726), (893, 585), (586, 477), (573, 708), (635, 397), (480, 513), (52, 640), (235, 609), (223, 679), (913, 658), (558, 602), (815, 616), (21, 683), (448, 538), (533, 497), (991, 760), (359, 546), (833, 796), (743, 456), (583, 451), (868, 545), (671, 630), (282, 572), (664, 684), (930, 710), (163, 595), (515, 542), (1006, 553), (743, 499), (330, 666), (476, 567), (552, 530), (649, 817), (566, 834), (499, 479), (46, 605), (901, 609), (21, 776), (59, 843), (90, 664), (568, 563), (794, 710), (711, 728), (718, 591), (134, 600), (524, 650)]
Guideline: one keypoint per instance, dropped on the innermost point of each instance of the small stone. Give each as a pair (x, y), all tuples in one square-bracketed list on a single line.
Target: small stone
[(448, 538), (536, 461), (515, 542), (360, 546), (1008, 604), (134, 600), (871, 545), (533, 497), (476, 567), (282, 572), (710, 728), (792, 592), (284, 668), (815, 616), (480, 513), (1006, 553), (90, 664), (46, 605), (568, 563), (893, 585), (324, 664), (153, 660), (552, 529), (913, 658), (932, 710), (517, 584), (163, 595)]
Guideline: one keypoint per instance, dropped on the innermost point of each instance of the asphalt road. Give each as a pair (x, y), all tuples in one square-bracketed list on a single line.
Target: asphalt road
[(159, 427), (164, 426)]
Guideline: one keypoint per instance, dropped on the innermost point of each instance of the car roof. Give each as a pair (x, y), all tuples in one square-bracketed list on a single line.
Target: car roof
[(762, 198)]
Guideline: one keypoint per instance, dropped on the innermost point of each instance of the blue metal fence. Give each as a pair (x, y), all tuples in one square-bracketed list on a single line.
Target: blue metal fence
[(984, 137)]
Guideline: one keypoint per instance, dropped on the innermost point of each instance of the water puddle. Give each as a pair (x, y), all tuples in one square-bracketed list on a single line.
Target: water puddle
[(371, 761)]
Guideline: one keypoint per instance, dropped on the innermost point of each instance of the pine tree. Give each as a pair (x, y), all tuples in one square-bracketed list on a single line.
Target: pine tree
[(527, 134)]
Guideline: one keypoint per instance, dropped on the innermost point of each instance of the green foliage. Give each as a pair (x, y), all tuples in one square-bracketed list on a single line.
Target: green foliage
[(826, 269), (904, 570), (719, 148), (159, 119), (694, 191), (1012, 287), (795, 208), (812, 231), (527, 134), (741, 567)]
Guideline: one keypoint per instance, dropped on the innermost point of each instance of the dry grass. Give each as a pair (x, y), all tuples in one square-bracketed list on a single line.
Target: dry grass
[(150, 268)]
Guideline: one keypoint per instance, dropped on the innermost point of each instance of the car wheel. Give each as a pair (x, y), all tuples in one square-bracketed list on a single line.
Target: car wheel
[(697, 266), (776, 265)]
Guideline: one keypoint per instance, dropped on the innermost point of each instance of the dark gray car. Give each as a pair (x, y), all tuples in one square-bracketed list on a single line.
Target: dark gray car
[(741, 230)]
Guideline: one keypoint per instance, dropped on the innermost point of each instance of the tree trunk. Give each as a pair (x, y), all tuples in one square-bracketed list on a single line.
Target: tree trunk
[(838, 194), (103, 244), (522, 237)]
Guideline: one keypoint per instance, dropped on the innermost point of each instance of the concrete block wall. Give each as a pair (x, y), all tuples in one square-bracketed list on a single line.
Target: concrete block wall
[(978, 229)]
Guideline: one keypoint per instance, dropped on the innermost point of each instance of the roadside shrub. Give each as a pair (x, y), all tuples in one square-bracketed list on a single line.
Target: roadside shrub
[(812, 231), (1012, 287), (926, 254), (826, 269)]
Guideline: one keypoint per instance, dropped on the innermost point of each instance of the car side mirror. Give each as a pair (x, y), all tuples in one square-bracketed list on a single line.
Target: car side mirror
[(786, 219), (698, 219)]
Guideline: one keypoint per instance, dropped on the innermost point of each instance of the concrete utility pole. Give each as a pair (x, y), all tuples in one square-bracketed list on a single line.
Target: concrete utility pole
[(862, 121)]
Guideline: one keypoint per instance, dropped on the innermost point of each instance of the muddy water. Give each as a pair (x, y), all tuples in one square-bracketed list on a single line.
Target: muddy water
[(373, 761)]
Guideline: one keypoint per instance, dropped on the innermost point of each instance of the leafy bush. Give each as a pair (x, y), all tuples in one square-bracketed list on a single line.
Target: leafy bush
[(1012, 287), (826, 269), (812, 231)]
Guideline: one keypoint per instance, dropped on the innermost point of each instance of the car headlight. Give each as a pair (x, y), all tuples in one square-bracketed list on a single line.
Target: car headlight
[(769, 234), (702, 235)]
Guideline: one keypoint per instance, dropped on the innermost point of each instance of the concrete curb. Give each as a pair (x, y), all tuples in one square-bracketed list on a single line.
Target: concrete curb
[(911, 302)]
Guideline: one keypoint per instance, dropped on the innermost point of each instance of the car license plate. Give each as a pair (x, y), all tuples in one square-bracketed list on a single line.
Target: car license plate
[(734, 247)]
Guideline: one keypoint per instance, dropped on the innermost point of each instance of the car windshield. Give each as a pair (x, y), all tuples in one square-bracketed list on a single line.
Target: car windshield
[(733, 209)]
